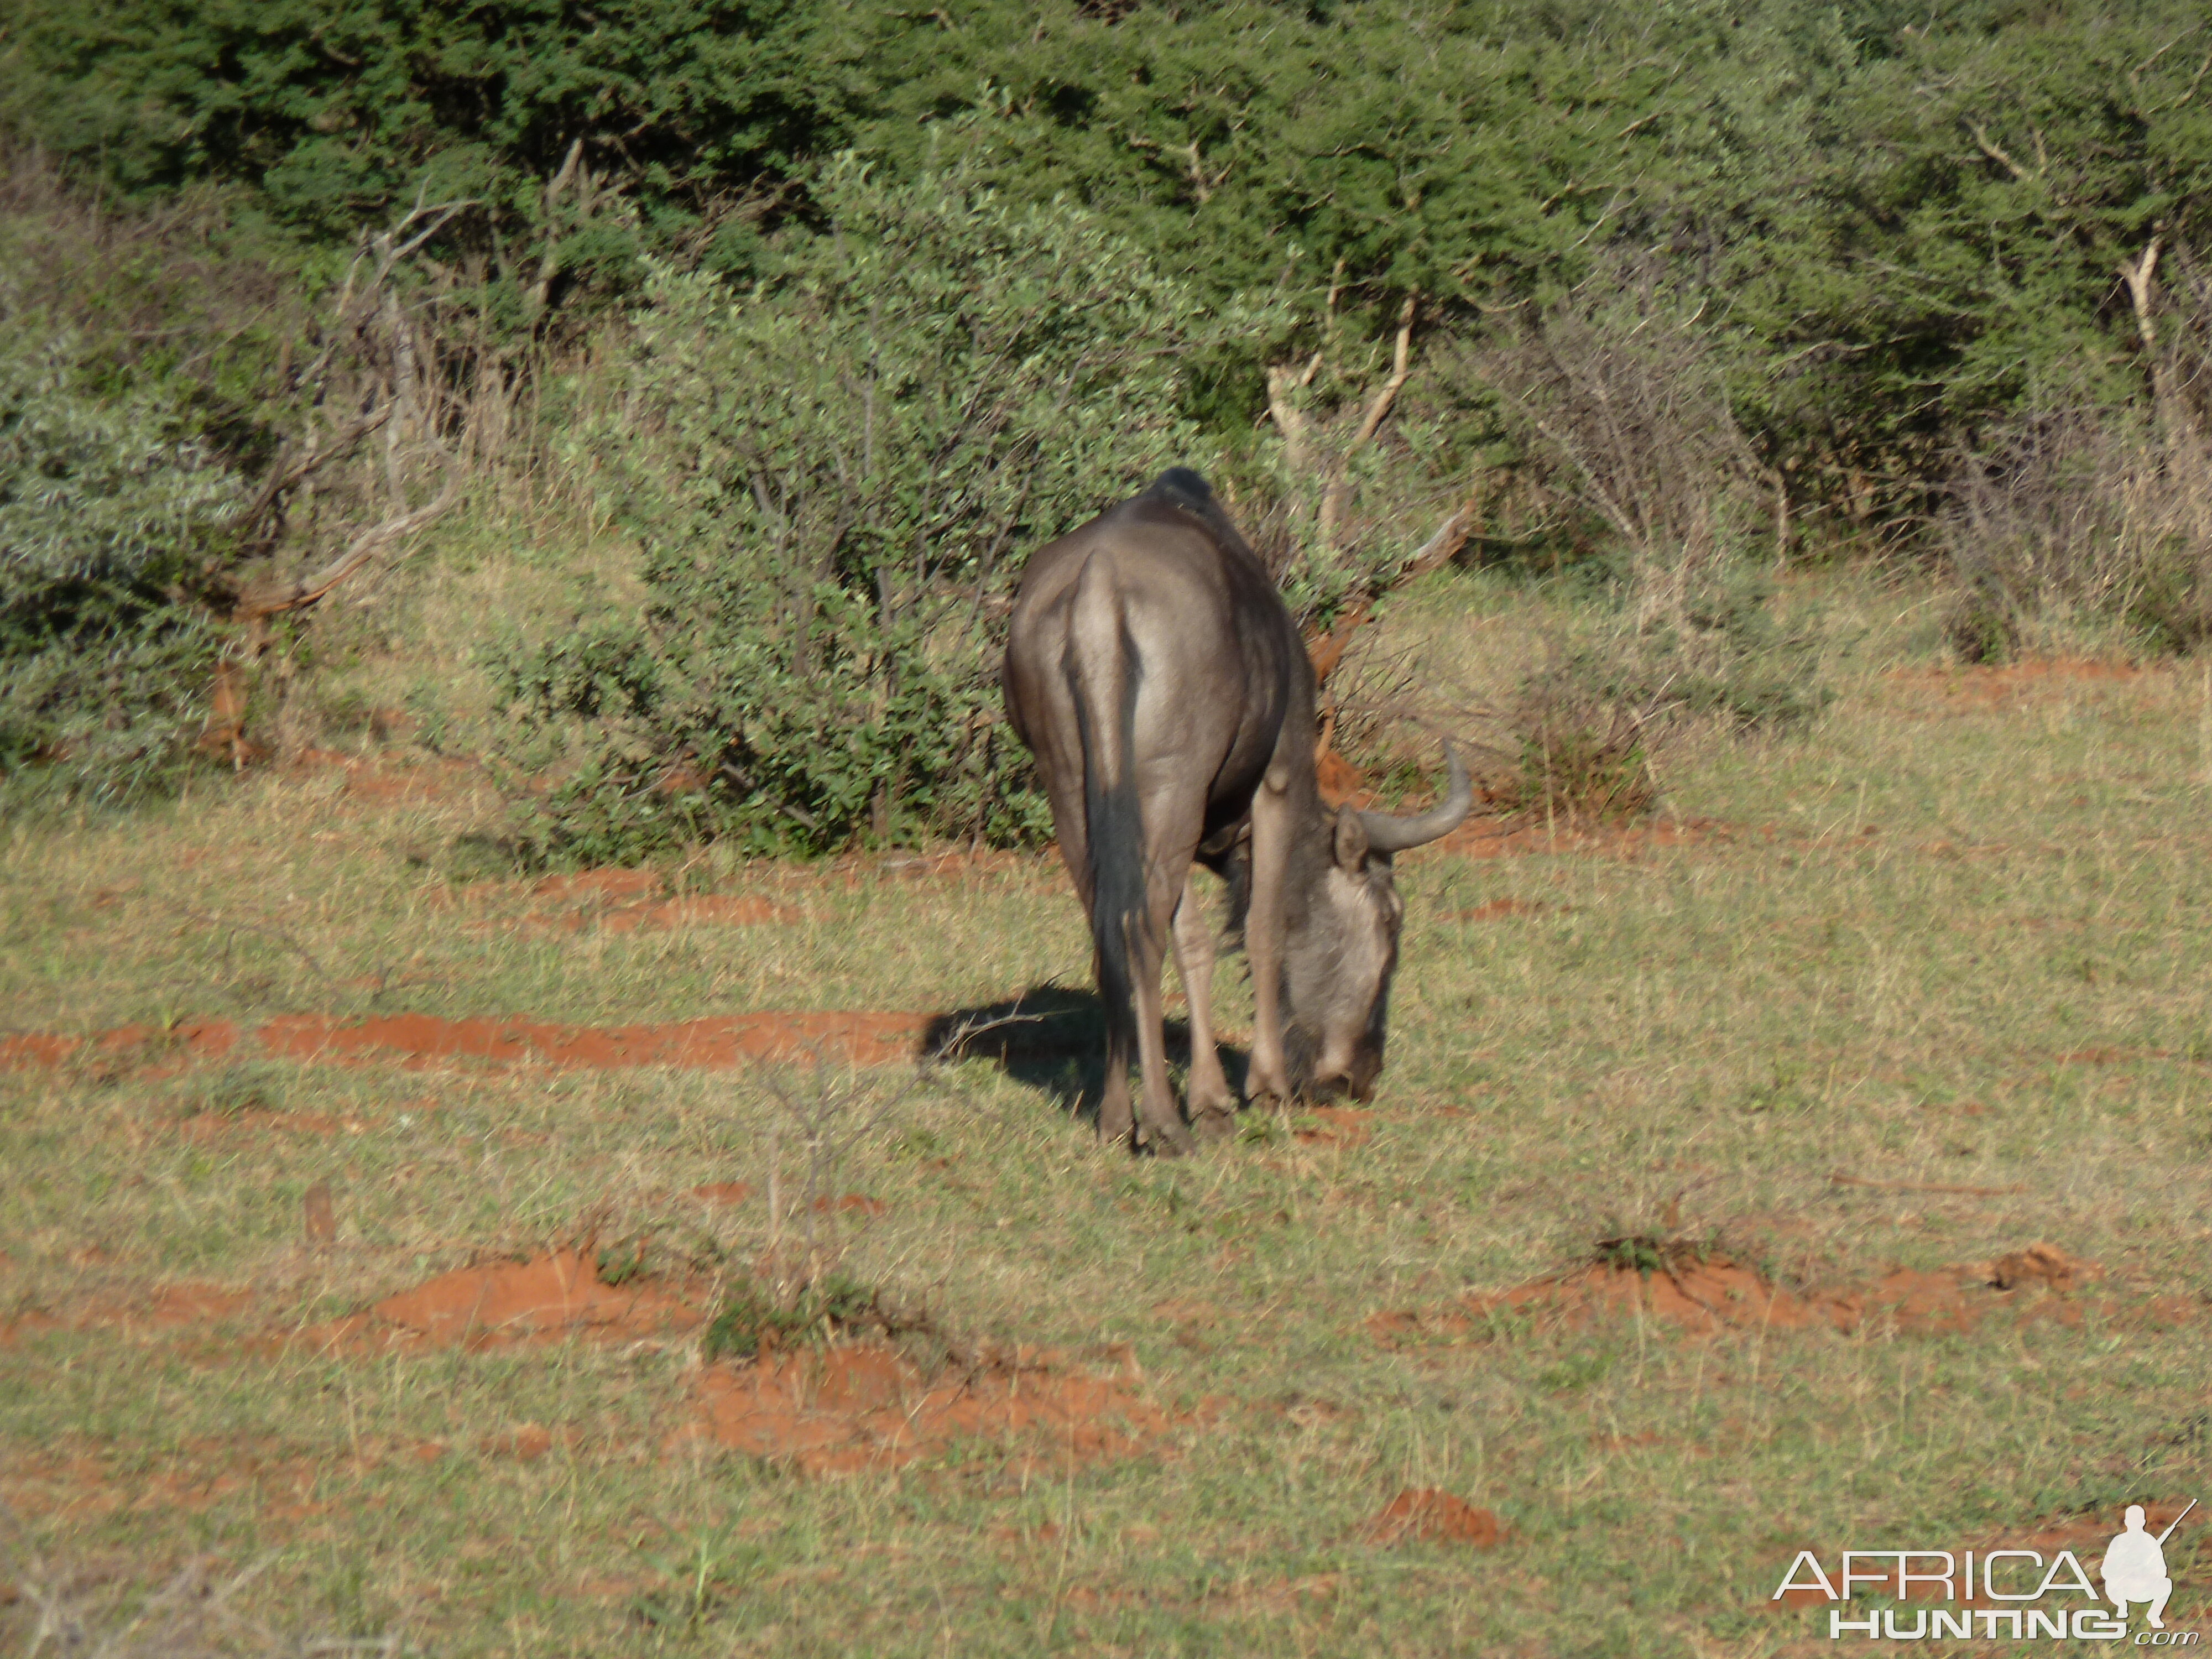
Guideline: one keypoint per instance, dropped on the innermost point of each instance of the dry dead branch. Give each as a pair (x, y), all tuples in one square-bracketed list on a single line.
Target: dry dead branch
[(1339, 490)]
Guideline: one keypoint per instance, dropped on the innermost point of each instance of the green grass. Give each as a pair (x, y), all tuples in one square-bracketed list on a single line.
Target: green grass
[(1920, 919)]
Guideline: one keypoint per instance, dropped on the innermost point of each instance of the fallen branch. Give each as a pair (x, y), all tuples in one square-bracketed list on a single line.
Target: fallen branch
[(1451, 536), (290, 470), (306, 590), (1327, 650)]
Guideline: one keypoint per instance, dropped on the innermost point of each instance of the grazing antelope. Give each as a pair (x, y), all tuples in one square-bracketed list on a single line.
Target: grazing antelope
[(1153, 671)]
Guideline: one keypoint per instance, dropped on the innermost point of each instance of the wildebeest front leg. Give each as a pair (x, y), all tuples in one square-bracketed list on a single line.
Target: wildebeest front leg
[(1212, 1107), (1263, 936)]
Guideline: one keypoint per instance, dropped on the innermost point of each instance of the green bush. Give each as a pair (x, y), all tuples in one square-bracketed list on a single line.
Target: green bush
[(109, 510), (1908, 218), (752, 1314), (836, 478)]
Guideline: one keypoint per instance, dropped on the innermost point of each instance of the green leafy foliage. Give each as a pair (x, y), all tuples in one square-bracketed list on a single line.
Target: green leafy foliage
[(336, 114), (753, 1317), (1908, 219), (1850, 243), (836, 478), (108, 507)]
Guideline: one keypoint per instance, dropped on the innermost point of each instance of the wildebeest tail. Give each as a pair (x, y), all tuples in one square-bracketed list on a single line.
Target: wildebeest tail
[(1104, 667)]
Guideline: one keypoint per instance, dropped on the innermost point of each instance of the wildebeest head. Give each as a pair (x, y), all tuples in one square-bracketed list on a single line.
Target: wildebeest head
[(1341, 946)]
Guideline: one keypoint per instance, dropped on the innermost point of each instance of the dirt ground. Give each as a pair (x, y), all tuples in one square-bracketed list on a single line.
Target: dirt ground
[(717, 1257)]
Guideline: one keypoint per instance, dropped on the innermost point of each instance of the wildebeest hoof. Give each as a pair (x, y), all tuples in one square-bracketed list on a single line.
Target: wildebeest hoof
[(1214, 1123), (1166, 1140)]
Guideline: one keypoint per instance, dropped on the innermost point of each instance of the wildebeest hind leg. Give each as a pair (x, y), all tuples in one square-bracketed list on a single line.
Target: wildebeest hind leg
[(1116, 1120), (1212, 1107), (1163, 1125)]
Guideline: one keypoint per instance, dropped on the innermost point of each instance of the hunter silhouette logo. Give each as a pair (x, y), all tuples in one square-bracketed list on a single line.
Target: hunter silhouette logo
[(2135, 1566), (2133, 1570)]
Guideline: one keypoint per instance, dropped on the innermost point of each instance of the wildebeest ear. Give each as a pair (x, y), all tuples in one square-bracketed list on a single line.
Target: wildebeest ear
[(1351, 840)]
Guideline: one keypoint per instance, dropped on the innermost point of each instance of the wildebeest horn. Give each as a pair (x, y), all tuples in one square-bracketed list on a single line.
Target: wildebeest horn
[(1387, 834)]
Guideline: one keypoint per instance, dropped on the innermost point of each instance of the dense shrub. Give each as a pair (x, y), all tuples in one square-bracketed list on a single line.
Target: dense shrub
[(1618, 395), (836, 478), (1909, 217), (109, 507), (1586, 727), (2082, 513)]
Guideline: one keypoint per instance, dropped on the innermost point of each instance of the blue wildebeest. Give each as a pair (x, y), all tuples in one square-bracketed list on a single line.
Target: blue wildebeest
[(1153, 671)]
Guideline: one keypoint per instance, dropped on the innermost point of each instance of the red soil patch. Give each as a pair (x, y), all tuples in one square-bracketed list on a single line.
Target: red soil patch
[(2040, 1264), (205, 1473), (212, 1126), (851, 1204), (525, 1443), (142, 1046), (625, 901), (1431, 1514), (1709, 1294), (545, 1298), (728, 1193), (868, 1407), (712, 1044), (605, 885), (726, 909), (1979, 687), (194, 1305), (698, 1044), (1493, 838), (167, 1307), (30, 1323), (1506, 906), (1336, 1125)]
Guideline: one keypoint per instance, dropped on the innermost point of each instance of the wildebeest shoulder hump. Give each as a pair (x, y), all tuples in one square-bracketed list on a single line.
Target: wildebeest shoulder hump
[(1182, 487)]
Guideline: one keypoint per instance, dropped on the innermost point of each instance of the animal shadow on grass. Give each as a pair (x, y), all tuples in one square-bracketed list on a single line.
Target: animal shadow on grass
[(1053, 1039)]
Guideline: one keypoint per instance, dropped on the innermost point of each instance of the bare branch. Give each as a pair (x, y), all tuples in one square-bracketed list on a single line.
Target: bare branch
[(1995, 152), (2195, 81), (1449, 538), (1290, 420), (1401, 368), (306, 590), (1378, 410), (549, 264), (290, 470), (2140, 275)]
